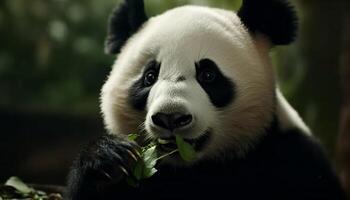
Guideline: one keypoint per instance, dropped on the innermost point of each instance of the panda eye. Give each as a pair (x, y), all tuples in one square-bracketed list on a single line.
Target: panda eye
[(150, 77), (207, 76)]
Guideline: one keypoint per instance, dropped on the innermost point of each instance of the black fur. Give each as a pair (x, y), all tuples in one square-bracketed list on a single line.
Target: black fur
[(100, 166), (221, 90), (138, 93), (285, 165), (276, 19), (124, 21)]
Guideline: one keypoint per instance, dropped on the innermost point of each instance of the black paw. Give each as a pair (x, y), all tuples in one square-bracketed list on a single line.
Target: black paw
[(101, 168)]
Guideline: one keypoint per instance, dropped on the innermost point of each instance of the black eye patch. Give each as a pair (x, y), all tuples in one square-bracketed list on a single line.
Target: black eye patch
[(139, 91), (220, 89)]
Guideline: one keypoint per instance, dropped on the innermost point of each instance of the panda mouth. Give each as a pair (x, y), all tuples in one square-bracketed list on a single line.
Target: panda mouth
[(169, 144)]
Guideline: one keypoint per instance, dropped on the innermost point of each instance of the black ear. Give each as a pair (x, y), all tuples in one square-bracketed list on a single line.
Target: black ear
[(124, 21), (276, 19)]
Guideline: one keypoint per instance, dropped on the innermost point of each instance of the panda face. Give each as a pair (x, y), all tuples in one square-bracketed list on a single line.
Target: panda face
[(183, 101), (194, 72)]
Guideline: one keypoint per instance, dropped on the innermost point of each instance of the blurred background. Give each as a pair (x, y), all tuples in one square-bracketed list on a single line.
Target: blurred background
[(52, 67)]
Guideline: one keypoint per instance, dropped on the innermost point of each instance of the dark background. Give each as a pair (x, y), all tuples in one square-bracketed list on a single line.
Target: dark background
[(52, 67)]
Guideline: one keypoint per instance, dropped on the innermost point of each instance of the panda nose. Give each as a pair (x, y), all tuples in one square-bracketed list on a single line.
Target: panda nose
[(171, 121)]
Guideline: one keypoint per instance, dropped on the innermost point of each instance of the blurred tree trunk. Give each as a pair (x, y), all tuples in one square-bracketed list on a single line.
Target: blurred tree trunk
[(343, 146), (324, 47), (319, 45)]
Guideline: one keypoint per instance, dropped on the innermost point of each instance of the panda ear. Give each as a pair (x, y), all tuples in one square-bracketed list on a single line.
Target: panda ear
[(124, 21), (276, 19)]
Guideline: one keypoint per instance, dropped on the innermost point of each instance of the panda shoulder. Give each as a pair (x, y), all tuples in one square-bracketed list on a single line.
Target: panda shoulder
[(288, 118), (292, 139), (292, 136)]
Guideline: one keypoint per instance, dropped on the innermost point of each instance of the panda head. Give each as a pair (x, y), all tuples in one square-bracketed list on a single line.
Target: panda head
[(201, 73)]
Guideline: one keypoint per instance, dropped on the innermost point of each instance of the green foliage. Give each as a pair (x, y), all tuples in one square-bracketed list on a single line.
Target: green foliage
[(51, 55), (19, 185), (186, 150), (15, 188), (145, 167), (51, 52), (133, 136), (52, 59)]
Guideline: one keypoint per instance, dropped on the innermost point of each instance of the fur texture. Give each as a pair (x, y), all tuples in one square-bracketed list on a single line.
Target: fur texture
[(285, 165), (124, 21), (215, 34), (214, 66), (276, 19)]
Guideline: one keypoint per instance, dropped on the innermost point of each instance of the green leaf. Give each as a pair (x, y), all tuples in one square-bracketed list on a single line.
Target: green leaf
[(145, 168), (150, 160), (9, 192), (186, 150), (19, 185), (133, 136), (139, 168), (148, 172), (14, 188), (150, 157), (132, 182)]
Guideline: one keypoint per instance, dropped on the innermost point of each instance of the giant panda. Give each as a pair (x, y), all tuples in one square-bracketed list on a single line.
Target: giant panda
[(204, 74)]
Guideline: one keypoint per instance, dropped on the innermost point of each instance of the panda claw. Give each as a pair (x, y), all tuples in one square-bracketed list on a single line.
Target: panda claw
[(106, 175), (135, 149), (131, 154), (105, 163), (137, 152), (123, 170)]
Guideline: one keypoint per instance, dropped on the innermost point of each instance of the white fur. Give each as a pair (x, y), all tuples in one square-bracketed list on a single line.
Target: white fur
[(288, 117), (179, 38)]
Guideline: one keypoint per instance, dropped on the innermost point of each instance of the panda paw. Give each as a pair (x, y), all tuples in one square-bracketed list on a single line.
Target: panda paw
[(101, 168)]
